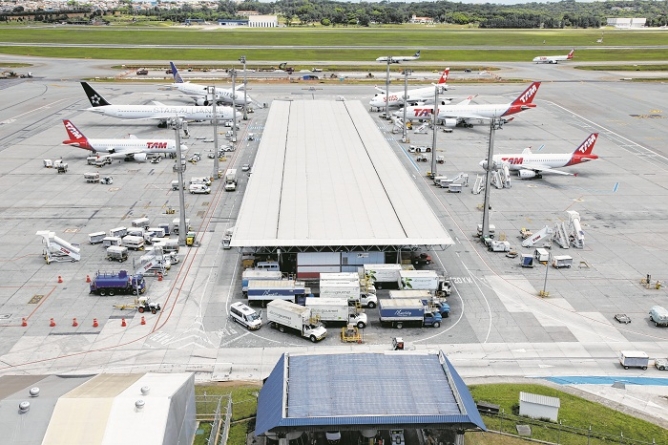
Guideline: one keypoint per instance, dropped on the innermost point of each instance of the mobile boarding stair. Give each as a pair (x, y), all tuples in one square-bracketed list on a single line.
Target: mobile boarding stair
[(422, 129), (57, 249), (576, 232), (152, 264), (544, 234)]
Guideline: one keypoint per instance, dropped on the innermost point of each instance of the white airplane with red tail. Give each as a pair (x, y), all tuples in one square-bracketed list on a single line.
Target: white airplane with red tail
[(128, 149), (533, 165), (413, 97), (554, 59)]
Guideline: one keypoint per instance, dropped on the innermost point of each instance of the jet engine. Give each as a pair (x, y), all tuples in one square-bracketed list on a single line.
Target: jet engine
[(139, 157), (449, 122), (202, 101), (527, 174)]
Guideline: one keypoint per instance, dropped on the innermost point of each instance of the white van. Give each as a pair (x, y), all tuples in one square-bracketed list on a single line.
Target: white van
[(201, 180), (658, 315), (245, 316)]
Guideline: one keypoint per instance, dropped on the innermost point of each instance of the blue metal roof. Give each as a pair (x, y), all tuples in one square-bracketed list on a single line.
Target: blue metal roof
[(365, 389)]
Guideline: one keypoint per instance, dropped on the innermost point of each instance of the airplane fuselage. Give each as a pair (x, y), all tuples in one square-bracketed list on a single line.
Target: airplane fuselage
[(222, 94), (148, 146), (549, 59), (397, 99), (163, 112), (523, 161)]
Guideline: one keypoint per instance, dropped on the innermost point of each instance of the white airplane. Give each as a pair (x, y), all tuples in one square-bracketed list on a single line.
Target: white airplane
[(200, 92), (414, 97), (161, 112), (533, 165), (398, 59), (421, 112), (553, 59), (128, 149), (463, 113)]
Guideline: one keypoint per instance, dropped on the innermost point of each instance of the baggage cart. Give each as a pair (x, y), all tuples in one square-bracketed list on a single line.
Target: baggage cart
[(117, 253), (633, 359), (92, 177), (96, 237), (560, 261)]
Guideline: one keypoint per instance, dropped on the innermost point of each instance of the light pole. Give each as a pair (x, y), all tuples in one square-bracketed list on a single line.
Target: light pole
[(234, 106), (544, 292), (490, 166), (211, 92), (242, 59), (433, 140), (387, 88), (404, 139), (178, 125)]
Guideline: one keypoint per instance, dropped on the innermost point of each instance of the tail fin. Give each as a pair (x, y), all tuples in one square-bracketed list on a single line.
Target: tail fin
[(528, 95), (95, 99), (587, 147), (417, 54), (73, 132), (570, 55), (175, 73), (444, 76)]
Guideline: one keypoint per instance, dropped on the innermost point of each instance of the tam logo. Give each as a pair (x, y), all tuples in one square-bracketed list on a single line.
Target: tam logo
[(528, 94), (72, 129), (422, 112), (513, 161), (394, 97), (154, 145), (584, 148)]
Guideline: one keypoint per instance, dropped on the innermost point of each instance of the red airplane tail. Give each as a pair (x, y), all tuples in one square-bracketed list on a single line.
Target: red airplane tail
[(528, 95), (444, 76), (570, 55), (585, 151), (76, 137)]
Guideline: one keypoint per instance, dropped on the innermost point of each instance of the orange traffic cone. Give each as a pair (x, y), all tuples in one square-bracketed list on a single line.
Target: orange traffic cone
[(159, 276), (75, 323), (60, 279), (123, 323), (24, 322), (52, 323), (95, 323), (87, 278), (143, 320)]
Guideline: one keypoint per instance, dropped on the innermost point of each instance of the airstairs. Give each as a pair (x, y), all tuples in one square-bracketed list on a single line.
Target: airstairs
[(576, 232), (57, 249), (544, 234)]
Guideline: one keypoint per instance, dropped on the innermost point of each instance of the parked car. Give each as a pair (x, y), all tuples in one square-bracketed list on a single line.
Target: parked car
[(661, 364), (245, 167), (199, 189)]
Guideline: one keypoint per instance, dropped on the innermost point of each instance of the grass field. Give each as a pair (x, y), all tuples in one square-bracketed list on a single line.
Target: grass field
[(339, 44)]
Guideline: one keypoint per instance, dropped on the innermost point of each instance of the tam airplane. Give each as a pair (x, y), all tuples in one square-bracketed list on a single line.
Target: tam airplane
[(417, 95), (533, 165), (399, 59), (199, 93), (160, 112), (132, 148), (553, 59), (461, 114)]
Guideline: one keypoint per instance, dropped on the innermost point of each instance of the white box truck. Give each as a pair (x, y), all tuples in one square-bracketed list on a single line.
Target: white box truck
[(335, 310), (633, 359), (382, 273), (258, 275), (418, 279), (230, 179), (284, 316), (348, 290)]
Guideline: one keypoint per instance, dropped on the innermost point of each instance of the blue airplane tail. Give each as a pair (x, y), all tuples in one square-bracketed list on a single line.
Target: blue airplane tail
[(175, 73)]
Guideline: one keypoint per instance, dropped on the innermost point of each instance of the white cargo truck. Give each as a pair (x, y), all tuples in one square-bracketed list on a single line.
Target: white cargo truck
[(348, 290), (117, 253), (419, 279), (335, 310), (230, 179), (258, 275), (382, 273), (283, 315)]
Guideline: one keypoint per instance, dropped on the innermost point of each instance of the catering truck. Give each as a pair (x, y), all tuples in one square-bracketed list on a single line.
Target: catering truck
[(258, 275), (418, 279), (433, 303), (382, 273), (404, 312), (286, 316), (348, 289), (111, 283), (335, 310), (268, 290), (230, 179)]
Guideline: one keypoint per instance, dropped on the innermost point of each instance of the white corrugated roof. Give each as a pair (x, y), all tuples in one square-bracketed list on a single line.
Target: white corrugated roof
[(539, 399), (325, 175)]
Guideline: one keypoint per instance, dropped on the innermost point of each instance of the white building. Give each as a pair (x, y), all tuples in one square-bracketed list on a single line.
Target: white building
[(539, 407), (262, 21), (627, 23)]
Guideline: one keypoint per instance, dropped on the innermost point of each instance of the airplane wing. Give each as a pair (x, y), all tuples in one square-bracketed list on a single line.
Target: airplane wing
[(544, 169), (379, 89), (467, 100)]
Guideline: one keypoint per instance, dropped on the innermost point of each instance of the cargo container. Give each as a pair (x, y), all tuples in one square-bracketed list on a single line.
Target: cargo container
[(141, 222), (96, 237), (117, 253), (633, 359), (133, 242), (120, 232), (108, 241), (286, 316)]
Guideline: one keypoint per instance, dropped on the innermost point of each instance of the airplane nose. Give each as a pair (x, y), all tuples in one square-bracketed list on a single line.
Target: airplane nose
[(184, 147)]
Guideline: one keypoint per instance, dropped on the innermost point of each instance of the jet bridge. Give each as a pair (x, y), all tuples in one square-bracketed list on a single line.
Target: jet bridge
[(57, 249)]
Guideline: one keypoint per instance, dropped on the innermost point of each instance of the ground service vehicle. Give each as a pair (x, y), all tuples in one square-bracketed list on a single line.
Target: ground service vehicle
[(96, 237), (230, 179), (268, 290), (117, 253), (199, 189), (661, 364), (245, 316), (499, 246), (348, 290), (382, 273), (658, 315), (335, 310), (284, 315), (433, 304), (633, 359), (404, 312), (134, 242), (144, 304), (418, 279), (110, 283), (258, 275)]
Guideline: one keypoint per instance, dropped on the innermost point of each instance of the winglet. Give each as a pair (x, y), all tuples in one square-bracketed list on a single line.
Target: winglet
[(175, 73), (96, 100), (570, 55), (528, 95)]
